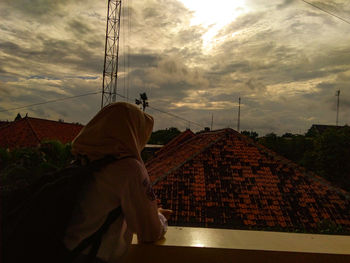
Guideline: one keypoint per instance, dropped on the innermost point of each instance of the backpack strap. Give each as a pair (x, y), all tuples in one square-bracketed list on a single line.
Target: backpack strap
[(96, 238)]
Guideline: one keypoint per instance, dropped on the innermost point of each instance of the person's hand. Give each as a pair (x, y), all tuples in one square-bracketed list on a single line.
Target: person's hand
[(165, 212)]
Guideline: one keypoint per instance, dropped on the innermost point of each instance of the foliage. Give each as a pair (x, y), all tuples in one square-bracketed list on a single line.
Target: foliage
[(162, 137), (252, 134), (20, 167), (291, 146), (330, 156), (326, 154)]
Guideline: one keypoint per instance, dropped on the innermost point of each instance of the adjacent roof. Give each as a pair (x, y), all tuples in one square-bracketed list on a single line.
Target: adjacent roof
[(4, 123), (320, 128), (182, 137), (224, 179), (29, 132)]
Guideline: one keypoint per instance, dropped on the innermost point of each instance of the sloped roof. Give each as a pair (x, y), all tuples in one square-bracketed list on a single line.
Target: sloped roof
[(4, 123), (29, 132), (320, 128), (173, 155), (224, 179), (182, 137)]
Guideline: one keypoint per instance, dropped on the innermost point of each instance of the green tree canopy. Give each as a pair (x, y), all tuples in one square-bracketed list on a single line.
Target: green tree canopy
[(163, 136), (330, 156), (252, 134)]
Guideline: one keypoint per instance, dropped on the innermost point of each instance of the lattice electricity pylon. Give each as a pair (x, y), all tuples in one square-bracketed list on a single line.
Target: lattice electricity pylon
[(110, 68)]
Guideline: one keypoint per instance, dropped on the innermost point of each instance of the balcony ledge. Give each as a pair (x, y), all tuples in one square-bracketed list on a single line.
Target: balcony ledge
[(188, 244)]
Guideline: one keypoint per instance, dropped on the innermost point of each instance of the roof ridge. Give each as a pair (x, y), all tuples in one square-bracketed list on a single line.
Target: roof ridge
[(61, 122), (5, 125), (172, 149), (181, 134), (32, 128), (291, 164), (163, 176)]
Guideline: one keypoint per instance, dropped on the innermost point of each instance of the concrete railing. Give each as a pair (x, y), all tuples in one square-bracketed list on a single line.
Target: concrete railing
[(185, 244)]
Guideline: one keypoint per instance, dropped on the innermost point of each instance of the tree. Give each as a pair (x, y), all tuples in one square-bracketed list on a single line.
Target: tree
[(252, 134), (330, 156), (291, 146), (163, 136), (20, 167), (288, 135), (327, 154)]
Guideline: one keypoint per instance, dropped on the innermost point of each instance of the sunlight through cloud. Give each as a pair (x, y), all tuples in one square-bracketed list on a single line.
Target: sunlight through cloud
[(214, 15)]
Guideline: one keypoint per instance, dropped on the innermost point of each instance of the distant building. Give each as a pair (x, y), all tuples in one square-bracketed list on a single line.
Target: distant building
[(317, 129), (223, 179), (30, 132)]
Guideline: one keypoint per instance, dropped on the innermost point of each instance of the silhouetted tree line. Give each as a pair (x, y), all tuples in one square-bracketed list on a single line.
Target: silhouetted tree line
[(22, 166), (327, 154), (162, 137)]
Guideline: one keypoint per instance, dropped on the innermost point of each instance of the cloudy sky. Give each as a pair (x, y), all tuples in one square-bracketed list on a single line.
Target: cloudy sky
[(193, 58)]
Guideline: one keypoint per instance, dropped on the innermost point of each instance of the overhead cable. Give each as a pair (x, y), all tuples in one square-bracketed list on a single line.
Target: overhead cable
[(175, 116), (51, 101), (168, 113), (326, 11), (97, 92)]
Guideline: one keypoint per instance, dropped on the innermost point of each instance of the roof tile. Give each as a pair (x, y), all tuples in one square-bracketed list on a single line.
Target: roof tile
[(230, 181), (29, 132)]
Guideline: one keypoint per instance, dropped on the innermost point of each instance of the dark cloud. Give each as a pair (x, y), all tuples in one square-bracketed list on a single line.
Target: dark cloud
[(255, 85), (140, 60), (336, 7), (36, 8), (191, 35), (285, 63), (4, 90), (78, 27), (285, 4), (57, 52), (242, 66)]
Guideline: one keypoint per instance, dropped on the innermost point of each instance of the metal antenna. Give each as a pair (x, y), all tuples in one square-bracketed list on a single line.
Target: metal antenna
[(239, 113), (337, 94), (212, 120), (110, 67)]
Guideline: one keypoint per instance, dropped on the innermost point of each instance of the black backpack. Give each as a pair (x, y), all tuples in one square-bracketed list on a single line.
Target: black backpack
[(33, 232)]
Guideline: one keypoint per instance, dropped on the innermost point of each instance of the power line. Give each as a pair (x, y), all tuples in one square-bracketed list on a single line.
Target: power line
[(51, 101), (97, 92), (326, 11), (168, 113), (175, 116)]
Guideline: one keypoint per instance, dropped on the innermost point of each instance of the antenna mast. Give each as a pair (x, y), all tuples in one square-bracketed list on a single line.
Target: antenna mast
[(110, 67), (212, 120), (337, 94), (239, 113)]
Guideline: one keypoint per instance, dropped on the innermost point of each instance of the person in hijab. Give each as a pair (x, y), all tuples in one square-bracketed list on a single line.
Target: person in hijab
[(122, 130)]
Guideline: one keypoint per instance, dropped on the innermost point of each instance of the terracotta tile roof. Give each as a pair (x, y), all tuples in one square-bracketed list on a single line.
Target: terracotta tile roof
[(4, 123), (184, 136), (224, 179), (171, 156), (29, 132)]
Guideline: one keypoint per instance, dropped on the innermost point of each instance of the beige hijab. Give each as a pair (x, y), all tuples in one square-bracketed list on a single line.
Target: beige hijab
[(120, 129)]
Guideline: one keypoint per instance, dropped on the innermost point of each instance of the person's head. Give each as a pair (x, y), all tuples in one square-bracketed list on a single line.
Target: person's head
[(120, 129)]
